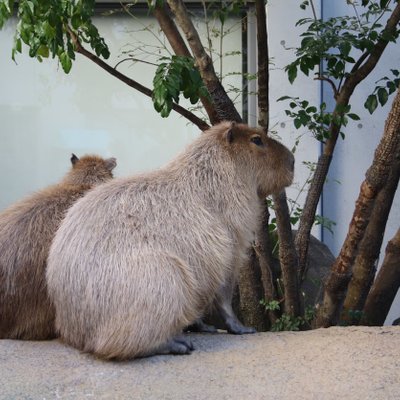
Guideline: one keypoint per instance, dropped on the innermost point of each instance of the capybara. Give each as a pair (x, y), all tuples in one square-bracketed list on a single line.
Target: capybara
[(138, 259), (26, 231)]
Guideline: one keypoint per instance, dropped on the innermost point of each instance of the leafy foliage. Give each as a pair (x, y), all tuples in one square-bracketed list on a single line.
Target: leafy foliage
[(330, 45), (45, 26), (174, 76), (381, 93), (317, 121)]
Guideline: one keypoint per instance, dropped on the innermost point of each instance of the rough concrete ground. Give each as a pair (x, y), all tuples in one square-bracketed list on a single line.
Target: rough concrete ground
[(335, 363)]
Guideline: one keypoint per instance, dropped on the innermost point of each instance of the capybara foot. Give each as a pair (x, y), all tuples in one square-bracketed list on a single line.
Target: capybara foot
[(177, 345), (200, 326), (233, 325)]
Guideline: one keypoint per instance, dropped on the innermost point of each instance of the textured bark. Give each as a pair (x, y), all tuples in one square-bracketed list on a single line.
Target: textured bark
[(385, 286), (365, 65), (178, 45), (287, 256), (375, 179), (263, 65), (223, 105), (265, 260), (202, 125), (365, 263), (252, 313)]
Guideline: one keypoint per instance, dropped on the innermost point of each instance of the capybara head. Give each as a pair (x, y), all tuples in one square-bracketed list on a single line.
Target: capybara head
[(264, 159), (90, 170)]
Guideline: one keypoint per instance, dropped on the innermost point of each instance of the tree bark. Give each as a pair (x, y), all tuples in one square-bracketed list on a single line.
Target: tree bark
[(364, 67), (265, 260), (263, 65), (252, 313), (178, 45), (376, 177), (365, 263), (223, 105), (385, 286), (287, 256)]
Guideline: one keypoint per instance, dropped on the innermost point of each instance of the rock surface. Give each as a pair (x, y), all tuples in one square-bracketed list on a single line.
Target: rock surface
[(348, 363)]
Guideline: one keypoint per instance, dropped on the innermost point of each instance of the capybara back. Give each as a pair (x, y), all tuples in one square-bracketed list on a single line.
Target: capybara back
[(26, 231)]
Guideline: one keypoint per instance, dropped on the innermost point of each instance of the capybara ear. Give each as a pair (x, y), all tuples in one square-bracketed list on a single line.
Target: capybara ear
[(111, 163), (230, 135), (74, 159)]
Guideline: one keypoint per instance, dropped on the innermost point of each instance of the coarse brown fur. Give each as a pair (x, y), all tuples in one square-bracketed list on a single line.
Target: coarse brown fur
[(138, 259), (26, 231)]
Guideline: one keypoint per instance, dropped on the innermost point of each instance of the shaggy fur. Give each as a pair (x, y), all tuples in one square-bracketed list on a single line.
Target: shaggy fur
[(26, 231), (138, 259)]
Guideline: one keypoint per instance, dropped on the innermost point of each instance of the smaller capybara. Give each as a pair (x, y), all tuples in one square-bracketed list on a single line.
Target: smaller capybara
[(138, 259), (26, 231)]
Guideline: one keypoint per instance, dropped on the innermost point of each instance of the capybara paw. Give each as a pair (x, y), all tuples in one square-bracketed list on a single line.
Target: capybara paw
[(200, 326), (237, 328), (179, 345)]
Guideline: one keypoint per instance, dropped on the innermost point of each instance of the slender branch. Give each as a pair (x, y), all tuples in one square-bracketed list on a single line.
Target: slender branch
[(202, 125), (223, 104), (178, 45), (134, 60), (323, 78), (263, 65)]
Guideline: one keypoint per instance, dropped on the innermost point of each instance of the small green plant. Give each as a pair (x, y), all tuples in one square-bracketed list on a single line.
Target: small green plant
[(287, 322)]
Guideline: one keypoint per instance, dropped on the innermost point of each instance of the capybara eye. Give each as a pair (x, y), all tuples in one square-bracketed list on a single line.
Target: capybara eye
[(256, 140)]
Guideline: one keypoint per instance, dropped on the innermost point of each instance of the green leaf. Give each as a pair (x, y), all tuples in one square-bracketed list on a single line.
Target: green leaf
[(354, 117), (292, 72), (43, 51), (371, 103), (65, 61), (383, 96)]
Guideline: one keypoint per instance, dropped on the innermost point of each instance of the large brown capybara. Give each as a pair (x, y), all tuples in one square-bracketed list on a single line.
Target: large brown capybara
[(26, 231), (138, 259)]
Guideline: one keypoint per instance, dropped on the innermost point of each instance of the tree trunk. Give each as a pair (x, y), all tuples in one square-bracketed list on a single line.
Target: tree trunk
[(223, 105), (376, 177), (263, 65), (265, 260), (385, 286), (287, 256), (363, 68), (252, 313), (178, 45), (365, 263)]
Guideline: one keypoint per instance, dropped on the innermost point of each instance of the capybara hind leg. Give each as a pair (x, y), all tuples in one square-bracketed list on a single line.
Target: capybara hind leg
[(177, 345), (223, 304), (200, 326)]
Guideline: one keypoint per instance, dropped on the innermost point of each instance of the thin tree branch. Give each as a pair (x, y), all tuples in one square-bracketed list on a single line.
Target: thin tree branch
[(202, 125), (178, 45), (325, 79), (263, 65), (224, 106)]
